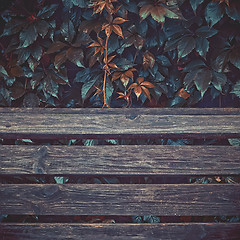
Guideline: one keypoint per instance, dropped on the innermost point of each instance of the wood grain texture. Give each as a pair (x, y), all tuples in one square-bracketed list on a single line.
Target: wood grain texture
[(129, 111), (104, 125), (168, 231), (120, 160), (121, 199)]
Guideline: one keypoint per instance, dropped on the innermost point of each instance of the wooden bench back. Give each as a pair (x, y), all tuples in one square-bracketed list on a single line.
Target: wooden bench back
[(120, 160)]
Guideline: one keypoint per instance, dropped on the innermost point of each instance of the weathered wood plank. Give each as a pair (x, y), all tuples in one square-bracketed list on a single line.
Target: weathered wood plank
[(165, 231), (120, 111), (75, 126), (120, 160), (121, 199)]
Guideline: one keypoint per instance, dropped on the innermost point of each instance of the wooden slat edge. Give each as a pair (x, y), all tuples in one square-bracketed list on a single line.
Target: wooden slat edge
[(121, 199), (164, 231), (120, 160), (151, 111)]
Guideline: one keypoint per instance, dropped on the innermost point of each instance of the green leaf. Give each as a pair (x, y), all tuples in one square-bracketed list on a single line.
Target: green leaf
[(23, 55), (42, 28), (88, 88), (109, 91), (47, 11), (75, 55), (80, 3), (206, 32), (56, 46), (28, 36), (60, 59), (234, 11), (5, 99), (50, 86), (213, 13), (13, 26), (36, 52), (163, 61), (219, 80), (190, 78), (67, 30), (203, 80), (235, 57), (202, 46), (193, 65), (185, 46), (17, 90), (234, 141), (31, 100), (3, 72), (195, 4), (236, 89)]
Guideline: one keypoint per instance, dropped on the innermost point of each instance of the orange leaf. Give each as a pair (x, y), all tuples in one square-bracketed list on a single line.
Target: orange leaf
[(147, 84), (95, 44), (124, 79), (140, 80), (116, 75), (148, 60), (119, 20), (183, 93), (117, 29), (146, 92), (112, 65), (138, 91)]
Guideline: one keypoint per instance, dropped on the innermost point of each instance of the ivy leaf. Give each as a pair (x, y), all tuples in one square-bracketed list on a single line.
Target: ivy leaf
[(47, 11), (28, 36), (236, 89), (206, 32), (109, 91), (17, 90), (235, 57), (42, 28), (50, 86), (202, 46), (233, 11), (219, 80), (185, 46), (195, 4), (213, 13), (148, 60), (75, 55), (203, 80), (54, 47), (68, 31), (60, 59), (3, 71), (23, 55), (36, 52), (88, 88)]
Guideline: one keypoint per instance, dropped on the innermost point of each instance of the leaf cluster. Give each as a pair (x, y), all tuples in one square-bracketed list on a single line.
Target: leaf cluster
[(118, 52)]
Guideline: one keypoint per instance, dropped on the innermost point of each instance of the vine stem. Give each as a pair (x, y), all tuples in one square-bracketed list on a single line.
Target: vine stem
[(105, 76)]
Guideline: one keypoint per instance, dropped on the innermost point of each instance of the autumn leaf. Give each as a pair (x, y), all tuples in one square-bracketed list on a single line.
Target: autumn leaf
[(100, 47), (124, 76), (112, 26), (159, 10), (141, 87), (100, 5), (148, 60)]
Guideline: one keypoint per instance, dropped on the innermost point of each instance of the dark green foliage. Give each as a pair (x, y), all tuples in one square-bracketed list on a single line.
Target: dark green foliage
[(184, 45)]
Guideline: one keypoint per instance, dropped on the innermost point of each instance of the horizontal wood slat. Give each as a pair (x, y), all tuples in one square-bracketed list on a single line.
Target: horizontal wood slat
[(120, 160), (134, 124), (121, 199), (164, 231), (128, 111)]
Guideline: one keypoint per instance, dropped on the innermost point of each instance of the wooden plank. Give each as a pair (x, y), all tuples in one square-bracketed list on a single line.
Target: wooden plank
[(88, 126), (120, 160), (165, 231), (121, 199), (120, 111)]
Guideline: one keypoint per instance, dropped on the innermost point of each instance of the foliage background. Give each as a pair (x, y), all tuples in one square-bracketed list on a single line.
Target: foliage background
[(189, 50)]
